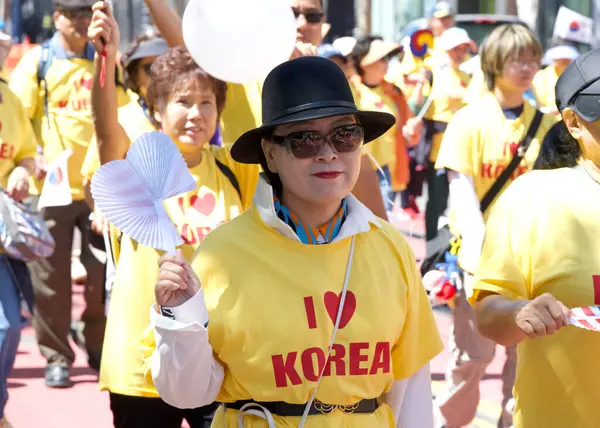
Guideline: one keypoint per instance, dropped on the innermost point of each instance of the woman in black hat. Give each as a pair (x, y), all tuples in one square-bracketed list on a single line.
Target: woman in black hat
[(307, 308), (540, 265)]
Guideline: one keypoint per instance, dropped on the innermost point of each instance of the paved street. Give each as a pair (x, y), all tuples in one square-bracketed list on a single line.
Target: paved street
[(32, 405)]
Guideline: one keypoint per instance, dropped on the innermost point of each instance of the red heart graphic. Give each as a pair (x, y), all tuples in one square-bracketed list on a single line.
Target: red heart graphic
[(513, 148), (205, 204), (332, 304), (379, 104)]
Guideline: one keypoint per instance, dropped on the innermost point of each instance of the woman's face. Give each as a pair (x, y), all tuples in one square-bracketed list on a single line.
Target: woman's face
[(375, 73), (308, 29), (324, 179), (142, 74), (519, 71), (458, 55), (190, 115)]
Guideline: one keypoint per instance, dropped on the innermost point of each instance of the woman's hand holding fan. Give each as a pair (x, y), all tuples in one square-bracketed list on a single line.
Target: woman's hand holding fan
[(131, 192), (177, 282)]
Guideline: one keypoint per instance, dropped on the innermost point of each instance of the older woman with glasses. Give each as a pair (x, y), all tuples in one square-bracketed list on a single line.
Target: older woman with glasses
[(306, 309)]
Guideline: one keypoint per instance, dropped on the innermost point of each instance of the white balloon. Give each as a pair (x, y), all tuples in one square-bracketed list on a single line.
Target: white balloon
[(239, 40)]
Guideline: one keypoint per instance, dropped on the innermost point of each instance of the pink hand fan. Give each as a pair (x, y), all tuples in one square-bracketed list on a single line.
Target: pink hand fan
[(131, 192)]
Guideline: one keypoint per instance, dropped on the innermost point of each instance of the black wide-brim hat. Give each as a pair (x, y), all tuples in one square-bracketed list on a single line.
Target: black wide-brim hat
[(305, 89)]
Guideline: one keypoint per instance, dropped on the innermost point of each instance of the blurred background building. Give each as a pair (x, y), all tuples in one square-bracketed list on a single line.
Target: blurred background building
[(388, 18)]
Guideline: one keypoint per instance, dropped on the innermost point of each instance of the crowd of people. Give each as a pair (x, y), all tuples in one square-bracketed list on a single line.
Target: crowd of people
[(293, 301)]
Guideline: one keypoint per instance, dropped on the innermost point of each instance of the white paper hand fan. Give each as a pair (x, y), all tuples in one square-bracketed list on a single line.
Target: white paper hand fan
[(131, 192)]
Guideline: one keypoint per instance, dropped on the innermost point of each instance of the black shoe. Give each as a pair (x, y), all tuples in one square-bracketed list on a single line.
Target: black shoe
[(57, 376)]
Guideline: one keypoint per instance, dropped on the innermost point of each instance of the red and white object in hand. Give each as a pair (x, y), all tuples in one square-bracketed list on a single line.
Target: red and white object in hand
[(587, 318)]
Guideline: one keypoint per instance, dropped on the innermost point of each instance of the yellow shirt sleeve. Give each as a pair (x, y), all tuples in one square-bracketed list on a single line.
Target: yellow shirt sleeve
[(505, 266), (420, 339), (29, 146), (91, 162), (456, 150), (24, 84)]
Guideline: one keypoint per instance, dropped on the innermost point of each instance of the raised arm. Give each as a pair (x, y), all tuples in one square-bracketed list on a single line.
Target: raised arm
[(166, 20), (113, 142)]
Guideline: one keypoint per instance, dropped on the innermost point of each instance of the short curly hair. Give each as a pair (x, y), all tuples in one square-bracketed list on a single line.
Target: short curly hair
[(171, 71)]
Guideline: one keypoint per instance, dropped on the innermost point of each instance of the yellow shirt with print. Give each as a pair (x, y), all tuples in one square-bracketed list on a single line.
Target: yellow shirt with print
[(542, 237), (480, 142), (543, 87), (448, 92), (243, 110), (383, 149), (135, 123), (17, 140), (68, 124), (271, 318), (195, 214)]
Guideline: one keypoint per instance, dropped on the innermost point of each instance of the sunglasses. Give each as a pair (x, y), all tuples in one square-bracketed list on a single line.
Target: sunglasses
[(587, 106), (308, 144), (312, 16), (79, 13)]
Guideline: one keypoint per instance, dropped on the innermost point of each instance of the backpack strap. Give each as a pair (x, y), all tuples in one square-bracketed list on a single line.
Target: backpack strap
[(230, 176), (516, 160), (43, 66)]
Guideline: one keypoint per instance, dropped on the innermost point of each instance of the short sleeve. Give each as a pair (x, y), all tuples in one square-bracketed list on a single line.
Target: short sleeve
[(420, 339), (505, 266), (28, 149), (456, 151), (23, 82)]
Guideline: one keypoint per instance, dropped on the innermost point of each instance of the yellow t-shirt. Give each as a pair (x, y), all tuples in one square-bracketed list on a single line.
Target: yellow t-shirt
[(271, 318), (17, 140), (135, 123), (542, 238), (383, 148), (543, 86), (68, 124), (477, 87), (243, 110), (481, 142), (446, 82), (195, 214)]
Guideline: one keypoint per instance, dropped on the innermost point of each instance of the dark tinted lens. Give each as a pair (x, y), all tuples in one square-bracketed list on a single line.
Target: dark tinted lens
[(347, 139), (313, 17), (588, 107), (305, 144)]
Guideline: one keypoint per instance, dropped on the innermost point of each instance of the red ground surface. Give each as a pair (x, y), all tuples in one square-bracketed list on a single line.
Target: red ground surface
[(32, 405)]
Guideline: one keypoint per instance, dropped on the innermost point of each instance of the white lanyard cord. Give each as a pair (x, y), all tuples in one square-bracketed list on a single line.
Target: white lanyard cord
[(335, 330)]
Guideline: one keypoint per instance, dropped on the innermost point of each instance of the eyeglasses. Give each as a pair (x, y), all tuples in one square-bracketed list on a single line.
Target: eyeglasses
[(587, 106), (312, 16), (532, 64), (79, 13), (308, 144)]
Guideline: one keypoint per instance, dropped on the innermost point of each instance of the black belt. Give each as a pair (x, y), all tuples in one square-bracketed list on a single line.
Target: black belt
[(282, 408)]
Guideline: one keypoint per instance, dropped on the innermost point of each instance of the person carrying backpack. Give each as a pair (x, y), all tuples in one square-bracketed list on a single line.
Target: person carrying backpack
[(54, 84)]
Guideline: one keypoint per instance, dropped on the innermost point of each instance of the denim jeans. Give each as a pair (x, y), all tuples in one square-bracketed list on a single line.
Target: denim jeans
[(10, 322)]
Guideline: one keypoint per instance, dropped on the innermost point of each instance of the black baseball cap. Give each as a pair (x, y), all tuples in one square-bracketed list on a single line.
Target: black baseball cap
[(73, 4), (578, 87)]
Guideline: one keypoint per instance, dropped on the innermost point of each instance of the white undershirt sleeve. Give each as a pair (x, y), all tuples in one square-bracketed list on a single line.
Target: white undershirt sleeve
[(184, 370)]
